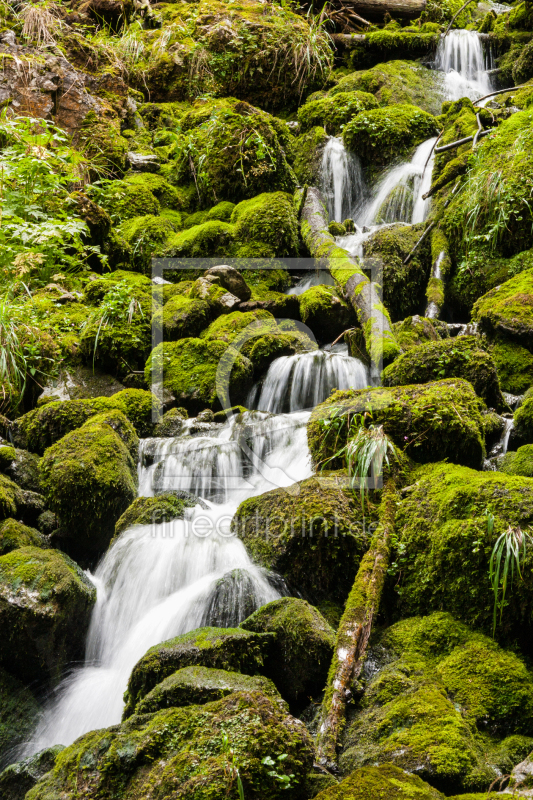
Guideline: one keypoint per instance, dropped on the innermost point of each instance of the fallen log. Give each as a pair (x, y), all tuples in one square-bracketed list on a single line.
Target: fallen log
[(459, 142), (354, 630), (398, 9), (348, 275)]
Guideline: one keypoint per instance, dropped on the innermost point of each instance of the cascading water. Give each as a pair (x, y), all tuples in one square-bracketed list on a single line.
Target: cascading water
[(303, 381), (160, 580), (343, 184), (318, 278), (460, 56)]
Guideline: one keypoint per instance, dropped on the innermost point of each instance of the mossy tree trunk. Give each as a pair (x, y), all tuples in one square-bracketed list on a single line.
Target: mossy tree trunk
[(373, 317), (354, 630)]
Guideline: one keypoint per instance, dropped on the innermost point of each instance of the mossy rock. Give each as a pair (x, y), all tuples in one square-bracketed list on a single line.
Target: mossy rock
[(118, 422), (18, 713), (462, 357), (198, 685), (238, 150), (190, 372), (207, 239), (183, 750), (269, 218), (169, 196), (508, 309), (19, 778), (11, 498), (404, 285), (147, 236), (231, 649), (517, 463), (514, 365), (7, 456), (227, 327), (14, 534), (429, 421), (523, 421), (414, 331), (442, 526), (183, 316), (308, 152), (314, 537), (152, 511), (381, 134), (101, 142), (396, 82), (172, 423), (384, 781), (93, 465), (523, 67), (334, 111), (300, 656), (24, 470), (45, 606), (322, 310), (437, 687)]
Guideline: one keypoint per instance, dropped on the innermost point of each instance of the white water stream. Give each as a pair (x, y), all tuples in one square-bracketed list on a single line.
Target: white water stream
[(461, 57), (160, 580)]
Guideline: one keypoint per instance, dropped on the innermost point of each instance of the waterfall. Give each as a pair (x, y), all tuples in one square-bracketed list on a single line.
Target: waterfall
[(460, 56), (343, 184), (318, 278), (303, 381), (160, 580), (432, 309)]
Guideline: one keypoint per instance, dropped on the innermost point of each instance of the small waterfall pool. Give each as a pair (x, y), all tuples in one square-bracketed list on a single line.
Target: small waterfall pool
[(157, 581)]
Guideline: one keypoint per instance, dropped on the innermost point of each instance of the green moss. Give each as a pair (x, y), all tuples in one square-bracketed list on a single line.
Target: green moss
[(118, 422), (169, 196), (508, 309), (234, 150), (430, 421), (228, 326), (7, 456), (101, 142), (222, 211), (19, 778), (18, 712), (325, 312), (189, 368), (443, 531), (337, 229), (315, 537), (14, 534), (231, 649), (10, 497), (182, 316), (45, 606), (333, 112), (414, 331), (462, 357), (208, 239), (183, 750), (152, 511), (299, 659), (382, 134), (519, 462), (396, 82), (308, 149), (93, 465), (268, 218), (198, 685), (380, 783), (514, 365), (404, 285), (147, 235)]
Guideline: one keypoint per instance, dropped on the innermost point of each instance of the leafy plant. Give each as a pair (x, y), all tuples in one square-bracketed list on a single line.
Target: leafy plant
[(280, 777), (117, 306), (232, 769), (508, 556)]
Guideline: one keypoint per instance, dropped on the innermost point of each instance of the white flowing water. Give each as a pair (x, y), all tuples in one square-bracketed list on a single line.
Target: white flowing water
[(303, 381), (318, 278), (160, 580), (461, 57), (342, 181)]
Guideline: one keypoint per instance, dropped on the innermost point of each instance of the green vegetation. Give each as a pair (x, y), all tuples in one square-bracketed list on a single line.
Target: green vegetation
[(382, 134)]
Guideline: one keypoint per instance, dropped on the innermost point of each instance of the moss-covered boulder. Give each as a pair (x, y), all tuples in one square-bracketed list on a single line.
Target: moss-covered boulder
[(198, 685), (381, 134), (463, 357), (19, 778), (183, 316), (429, 421), (93, 465), (147, 236), (24, 470), (231, 649), (523, 421), (172, 422), (190, 366), (152, 511), (308, 152), (436, 688), (517, 463), (384, 781), (299, 657), (14, 534), (45, 605), (18, 714), (446, 545), (269, 218), (514, 365), (404, 285), (211, 238), (192, 751), (414, 331), (508, 309), (234, 150), (325, 312), (334, 111), (11, 498), (396, 82), (314, 537)]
